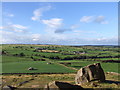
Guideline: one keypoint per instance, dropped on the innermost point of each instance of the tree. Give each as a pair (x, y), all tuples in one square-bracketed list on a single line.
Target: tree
[(21, 54)]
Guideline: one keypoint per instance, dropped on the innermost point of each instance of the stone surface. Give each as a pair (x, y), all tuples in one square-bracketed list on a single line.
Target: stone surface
[(56, 85), (90, 73), (8, 87), (31, 68)]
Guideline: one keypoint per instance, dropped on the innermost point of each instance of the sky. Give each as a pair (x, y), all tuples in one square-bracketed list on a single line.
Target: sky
[(61, 23)]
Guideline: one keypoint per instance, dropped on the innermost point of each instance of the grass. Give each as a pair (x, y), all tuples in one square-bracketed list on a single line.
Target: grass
[(10, 59), (39, 81), (107, 67), (17, 64), (110, 67), (41, 66)]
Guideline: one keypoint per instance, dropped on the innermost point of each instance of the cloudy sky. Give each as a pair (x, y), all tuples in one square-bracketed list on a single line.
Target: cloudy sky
[(79, 23)]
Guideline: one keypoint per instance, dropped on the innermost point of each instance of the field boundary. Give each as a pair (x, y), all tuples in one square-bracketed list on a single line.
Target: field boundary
[(68, 67), (32, 73)]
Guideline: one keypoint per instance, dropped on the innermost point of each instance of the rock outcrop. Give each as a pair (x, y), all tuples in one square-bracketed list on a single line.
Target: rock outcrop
[(90, 73), (31, 68), (56, 85), (8, 87)]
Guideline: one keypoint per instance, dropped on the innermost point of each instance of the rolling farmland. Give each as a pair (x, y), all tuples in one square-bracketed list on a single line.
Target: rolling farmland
[(54, 58), (37, 65)]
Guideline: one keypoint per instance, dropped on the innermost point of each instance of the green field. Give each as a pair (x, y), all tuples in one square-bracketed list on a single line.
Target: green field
[(42, 67), (107, 67), (18, 58), (21, 65)]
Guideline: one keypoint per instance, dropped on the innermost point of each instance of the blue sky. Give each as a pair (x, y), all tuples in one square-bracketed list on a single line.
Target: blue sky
[(66, 23)]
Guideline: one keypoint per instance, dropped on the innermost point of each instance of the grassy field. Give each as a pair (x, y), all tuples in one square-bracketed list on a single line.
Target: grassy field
[(18, 58), (107, 67), (42, 67), (50, 64)]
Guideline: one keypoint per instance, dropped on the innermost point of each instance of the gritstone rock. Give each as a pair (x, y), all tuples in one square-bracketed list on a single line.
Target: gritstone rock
[(90, 73), (61, 86)]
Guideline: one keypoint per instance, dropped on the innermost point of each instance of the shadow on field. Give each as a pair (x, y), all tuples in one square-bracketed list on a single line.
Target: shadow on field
[(110, 82)]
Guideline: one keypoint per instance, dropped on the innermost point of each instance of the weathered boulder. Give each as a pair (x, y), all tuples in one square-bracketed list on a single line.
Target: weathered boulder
[(49, 63), (61, 86), (90, 73), (31, 68), (8, 87)]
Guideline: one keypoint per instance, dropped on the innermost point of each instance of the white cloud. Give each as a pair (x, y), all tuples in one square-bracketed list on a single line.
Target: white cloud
[(75, 26), (101, 20), (1, 27), (10, 15), (5, 37), (12, 37), (53, 23), (5, 32), (54, 26), (84, 33), (86, 19), (15, 28), (35, 37), (64, 39), (97, 19), (101, 39), (77, 31), (39, 12), (19, 31), (104, 40), (104, 22), (19, 26)]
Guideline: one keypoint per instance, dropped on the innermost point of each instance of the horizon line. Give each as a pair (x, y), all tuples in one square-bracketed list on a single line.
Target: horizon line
[(69, 44), (60, 0)]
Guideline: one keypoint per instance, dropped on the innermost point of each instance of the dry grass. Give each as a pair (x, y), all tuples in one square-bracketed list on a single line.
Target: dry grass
[(50, 51), (39, 81)]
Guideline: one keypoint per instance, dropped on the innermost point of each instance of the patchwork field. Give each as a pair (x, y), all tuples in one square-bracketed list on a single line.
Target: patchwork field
[(48, 58), (56, 62)]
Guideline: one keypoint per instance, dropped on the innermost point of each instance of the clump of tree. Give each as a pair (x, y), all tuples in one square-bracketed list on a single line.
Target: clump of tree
[(20, 54), (18, 47), (54, 57), (37, 59)]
